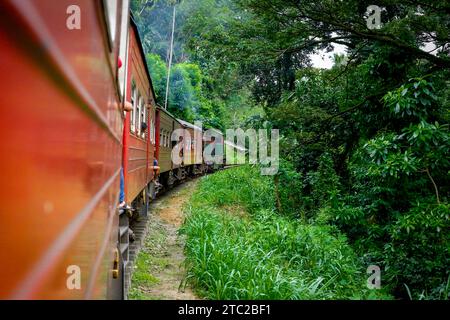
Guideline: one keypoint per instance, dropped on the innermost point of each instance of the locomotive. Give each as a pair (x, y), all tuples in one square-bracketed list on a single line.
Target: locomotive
[(78, 110)]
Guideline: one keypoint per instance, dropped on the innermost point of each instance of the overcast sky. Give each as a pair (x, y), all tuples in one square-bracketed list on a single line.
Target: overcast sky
[(324, 60)]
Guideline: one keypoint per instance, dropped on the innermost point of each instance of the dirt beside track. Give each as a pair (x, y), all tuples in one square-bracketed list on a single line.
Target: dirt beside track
[(159, 272)]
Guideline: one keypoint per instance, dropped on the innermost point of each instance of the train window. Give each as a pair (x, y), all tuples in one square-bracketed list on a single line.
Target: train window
[(143, 117), (165, 139), (146, 133), (133, 102), (138, 115), (123, 48), (111, 18), (152, 136), (153, 132), (188, 143), (150, 133)]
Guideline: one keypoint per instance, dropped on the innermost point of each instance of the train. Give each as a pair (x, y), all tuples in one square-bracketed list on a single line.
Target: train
[(80, 123)]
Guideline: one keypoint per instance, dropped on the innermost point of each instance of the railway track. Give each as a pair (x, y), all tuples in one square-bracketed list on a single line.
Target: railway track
[(140, 230)]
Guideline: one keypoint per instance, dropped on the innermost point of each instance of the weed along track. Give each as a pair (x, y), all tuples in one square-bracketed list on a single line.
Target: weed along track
[(158, 270), (222, 237)]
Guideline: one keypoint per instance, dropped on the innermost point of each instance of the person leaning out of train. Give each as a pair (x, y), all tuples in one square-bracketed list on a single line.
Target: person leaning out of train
[(122, 203), (155, 169), (143, 129), (127, 107)]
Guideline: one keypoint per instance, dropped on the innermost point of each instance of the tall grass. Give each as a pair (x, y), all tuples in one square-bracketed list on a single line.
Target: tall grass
[(238, 248)]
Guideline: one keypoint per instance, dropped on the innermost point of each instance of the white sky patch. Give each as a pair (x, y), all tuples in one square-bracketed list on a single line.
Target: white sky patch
[(430, 47), (323, 59)]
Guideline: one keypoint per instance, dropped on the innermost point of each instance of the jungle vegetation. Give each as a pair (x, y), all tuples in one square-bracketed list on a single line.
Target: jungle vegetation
[(364, 144)]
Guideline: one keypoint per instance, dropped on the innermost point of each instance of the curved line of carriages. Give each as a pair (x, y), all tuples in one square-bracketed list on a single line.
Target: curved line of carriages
[(166, 176), (148, 167)]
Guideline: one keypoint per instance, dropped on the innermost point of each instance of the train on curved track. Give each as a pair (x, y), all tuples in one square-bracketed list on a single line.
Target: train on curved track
[(78, 110)]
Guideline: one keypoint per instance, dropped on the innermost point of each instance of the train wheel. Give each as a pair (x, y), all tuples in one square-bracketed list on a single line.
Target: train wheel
[(170, 179), (181, 174)]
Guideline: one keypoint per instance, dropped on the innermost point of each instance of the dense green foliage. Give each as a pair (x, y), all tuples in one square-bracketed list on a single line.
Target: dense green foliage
[(238, 247), (365, 144), (199, 89)]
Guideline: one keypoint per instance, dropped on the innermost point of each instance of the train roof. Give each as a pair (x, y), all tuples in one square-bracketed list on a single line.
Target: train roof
[(188, 124), (159, 107)]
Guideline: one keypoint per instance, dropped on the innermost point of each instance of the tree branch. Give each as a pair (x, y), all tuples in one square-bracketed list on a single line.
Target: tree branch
[(434, 184), (371, 35)]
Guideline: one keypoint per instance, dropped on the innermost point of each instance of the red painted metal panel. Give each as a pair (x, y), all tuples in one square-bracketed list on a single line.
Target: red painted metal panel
[(61, 151), (137, 167), (138, 150)]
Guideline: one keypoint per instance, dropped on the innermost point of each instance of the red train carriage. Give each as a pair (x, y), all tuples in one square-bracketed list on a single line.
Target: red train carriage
[(61, 145), (138, 142), (139, 130), (67, 137)]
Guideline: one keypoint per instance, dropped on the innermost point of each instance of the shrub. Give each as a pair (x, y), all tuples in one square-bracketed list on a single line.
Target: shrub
[(238, 247)]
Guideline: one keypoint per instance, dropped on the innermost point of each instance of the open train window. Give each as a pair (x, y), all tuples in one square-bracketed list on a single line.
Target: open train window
[(138, 114), (143, 117), (133, 102), (154, 131)]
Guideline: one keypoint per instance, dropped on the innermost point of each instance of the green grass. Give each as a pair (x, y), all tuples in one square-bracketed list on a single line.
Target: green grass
[(238, 248), (142, 277), (147, 264), (141, 274)]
